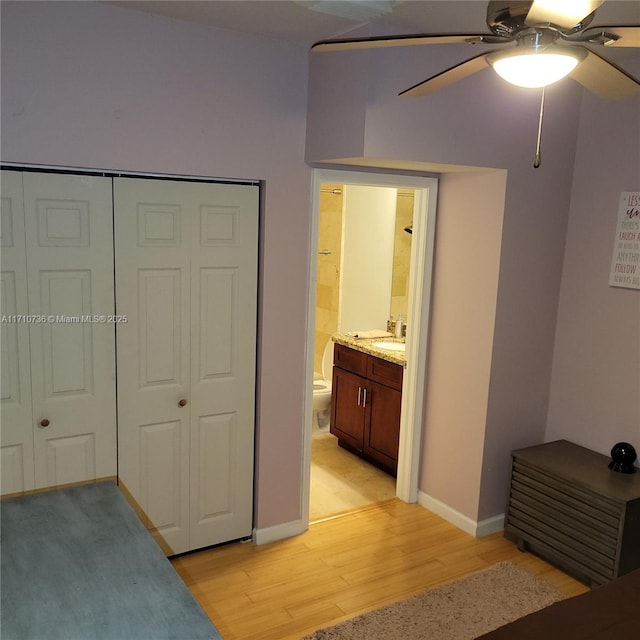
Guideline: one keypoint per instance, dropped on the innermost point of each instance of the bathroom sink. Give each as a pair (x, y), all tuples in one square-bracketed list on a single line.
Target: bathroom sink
[(390, 346)]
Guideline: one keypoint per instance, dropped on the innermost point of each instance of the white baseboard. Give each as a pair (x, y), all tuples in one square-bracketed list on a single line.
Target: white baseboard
[(473, 528), (490, 525), (279, 532), (477, 529)]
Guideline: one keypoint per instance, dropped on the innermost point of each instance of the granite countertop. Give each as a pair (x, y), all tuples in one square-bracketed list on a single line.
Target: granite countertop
[(366, 346)]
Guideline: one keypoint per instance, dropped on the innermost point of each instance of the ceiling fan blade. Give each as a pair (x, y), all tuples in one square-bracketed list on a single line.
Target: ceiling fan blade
[(444, 79), (376, 42), (628, 36), (604, 78), (565, 14)]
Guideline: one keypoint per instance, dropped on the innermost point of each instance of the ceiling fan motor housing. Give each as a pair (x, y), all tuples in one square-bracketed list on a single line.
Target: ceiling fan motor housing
[(506, 18)]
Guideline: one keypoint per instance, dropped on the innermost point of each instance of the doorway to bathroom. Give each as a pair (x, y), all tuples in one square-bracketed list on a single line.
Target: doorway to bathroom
[(388, 220)]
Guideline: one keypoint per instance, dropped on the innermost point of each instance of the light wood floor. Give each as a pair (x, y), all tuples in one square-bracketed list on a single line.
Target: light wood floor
[(339, 568)]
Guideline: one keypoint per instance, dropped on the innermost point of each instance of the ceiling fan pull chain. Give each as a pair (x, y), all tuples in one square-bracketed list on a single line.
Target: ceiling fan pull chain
[(538, 160)]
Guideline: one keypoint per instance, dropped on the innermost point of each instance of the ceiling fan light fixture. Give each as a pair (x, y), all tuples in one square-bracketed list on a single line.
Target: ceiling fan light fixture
[(535, 68)]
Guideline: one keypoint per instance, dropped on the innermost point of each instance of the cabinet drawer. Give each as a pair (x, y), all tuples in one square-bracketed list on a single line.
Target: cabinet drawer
[(575, 542), (575, 521), (350, 359), (384, 372), (562, 555), (587, 501)]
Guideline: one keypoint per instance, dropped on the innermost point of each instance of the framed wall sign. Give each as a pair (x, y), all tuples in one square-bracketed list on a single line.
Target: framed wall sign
[(625, 263)]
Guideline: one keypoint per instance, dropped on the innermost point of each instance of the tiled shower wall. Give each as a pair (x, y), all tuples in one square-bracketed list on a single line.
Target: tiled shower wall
[(330, 240)]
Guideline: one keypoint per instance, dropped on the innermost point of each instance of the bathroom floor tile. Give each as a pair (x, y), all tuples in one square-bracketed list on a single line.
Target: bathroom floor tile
[(340, 481)]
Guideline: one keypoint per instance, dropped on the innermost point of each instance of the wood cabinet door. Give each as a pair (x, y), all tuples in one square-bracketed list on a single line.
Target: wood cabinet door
[(347, 413), (382, 424)]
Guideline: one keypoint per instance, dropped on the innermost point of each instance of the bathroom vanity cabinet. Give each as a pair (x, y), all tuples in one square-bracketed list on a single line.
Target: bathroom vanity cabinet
[(365, 406)]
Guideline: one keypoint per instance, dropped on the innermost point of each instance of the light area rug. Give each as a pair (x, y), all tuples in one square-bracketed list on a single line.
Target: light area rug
[(460, 610)]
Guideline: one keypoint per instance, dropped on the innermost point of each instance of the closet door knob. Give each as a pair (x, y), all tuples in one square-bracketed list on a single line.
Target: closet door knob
[(182, 403), (44, 422)]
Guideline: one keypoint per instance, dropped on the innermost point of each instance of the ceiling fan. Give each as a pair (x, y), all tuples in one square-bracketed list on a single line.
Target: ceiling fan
[(545, 34), (546, 41)]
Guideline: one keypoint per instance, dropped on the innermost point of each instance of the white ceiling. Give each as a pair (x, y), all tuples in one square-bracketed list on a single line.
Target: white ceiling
[(293, 21)]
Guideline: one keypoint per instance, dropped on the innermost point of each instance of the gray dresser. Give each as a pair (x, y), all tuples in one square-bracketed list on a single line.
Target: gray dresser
[(568, 507)]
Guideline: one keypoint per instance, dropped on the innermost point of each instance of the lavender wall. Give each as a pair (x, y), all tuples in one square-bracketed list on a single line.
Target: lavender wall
[(465, 289), (595, 386), (480, 122), (92, 85), (86, 84)]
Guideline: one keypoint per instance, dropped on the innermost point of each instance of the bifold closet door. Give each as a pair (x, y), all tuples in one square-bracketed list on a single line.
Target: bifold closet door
[(186, 278), (65, 369), (69, 232), (16, 429)]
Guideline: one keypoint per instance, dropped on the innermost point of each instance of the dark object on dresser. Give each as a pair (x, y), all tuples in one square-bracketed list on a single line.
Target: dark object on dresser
[(608, 612), (566, 506), (623, 455)]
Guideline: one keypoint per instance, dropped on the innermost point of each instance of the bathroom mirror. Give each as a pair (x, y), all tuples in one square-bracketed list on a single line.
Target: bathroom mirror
[(334, 245)]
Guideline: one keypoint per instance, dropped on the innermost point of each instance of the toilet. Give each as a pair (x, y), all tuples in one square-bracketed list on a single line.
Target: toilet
[(322, 391)]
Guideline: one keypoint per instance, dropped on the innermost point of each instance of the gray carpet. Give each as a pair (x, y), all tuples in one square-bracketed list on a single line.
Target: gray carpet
[(77, 564), (460, 610)]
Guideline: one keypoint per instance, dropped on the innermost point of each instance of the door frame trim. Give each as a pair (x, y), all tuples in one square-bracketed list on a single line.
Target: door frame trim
[(420, 280)]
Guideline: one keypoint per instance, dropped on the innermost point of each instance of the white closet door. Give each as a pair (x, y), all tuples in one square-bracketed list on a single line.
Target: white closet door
[(224, 266), (152, 291), (69, 237), (186, 265), (16, 429)]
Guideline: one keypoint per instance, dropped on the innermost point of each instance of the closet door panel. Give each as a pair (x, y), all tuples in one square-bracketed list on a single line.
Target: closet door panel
[(16, 451), (215, 464), (153, 289), (186, 273), (68, 458), (218, 304), (67, 358), (160, 322), (223, 361), (161, 483), (69, 238)]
